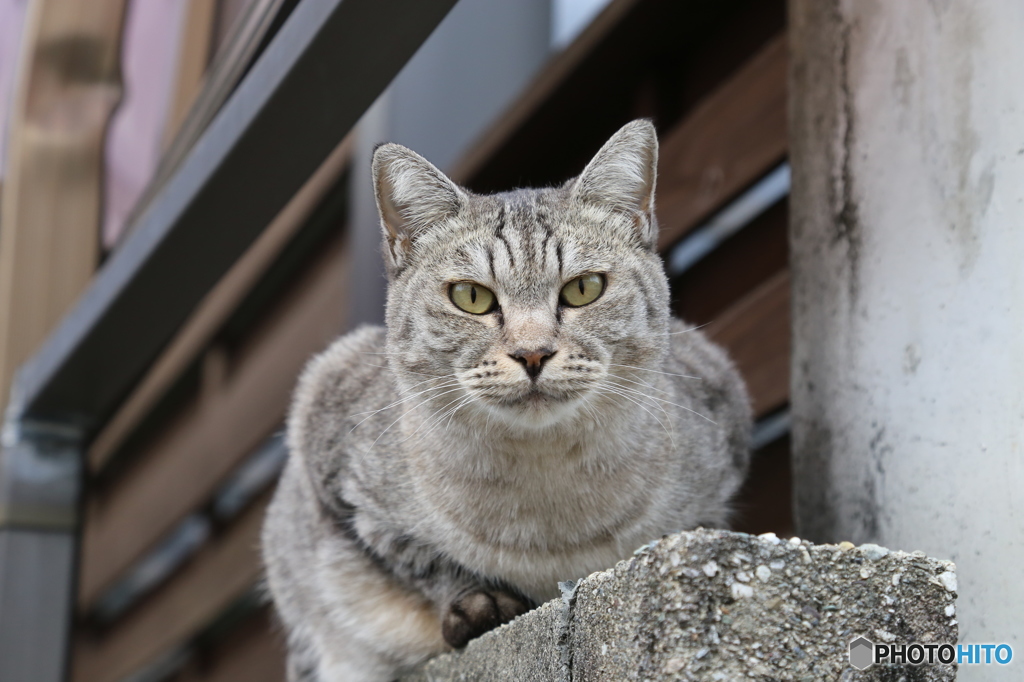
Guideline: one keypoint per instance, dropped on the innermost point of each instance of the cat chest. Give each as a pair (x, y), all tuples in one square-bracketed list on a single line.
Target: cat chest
[(536, 533)]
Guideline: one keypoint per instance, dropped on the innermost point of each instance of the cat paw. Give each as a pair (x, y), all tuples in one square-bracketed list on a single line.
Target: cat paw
[(474, 613)]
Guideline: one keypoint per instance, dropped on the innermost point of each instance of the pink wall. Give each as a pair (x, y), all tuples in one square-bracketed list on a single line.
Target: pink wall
[(12, 15), (149, 63)]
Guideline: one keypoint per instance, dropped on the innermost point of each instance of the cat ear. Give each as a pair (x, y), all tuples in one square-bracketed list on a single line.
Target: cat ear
[(622, 177), (412, 196)]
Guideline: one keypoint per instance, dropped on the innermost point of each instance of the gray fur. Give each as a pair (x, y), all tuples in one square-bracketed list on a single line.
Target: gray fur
[(432, 485)]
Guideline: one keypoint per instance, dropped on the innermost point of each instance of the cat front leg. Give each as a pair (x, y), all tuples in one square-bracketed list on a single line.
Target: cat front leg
[(478, 610), (467, 603)]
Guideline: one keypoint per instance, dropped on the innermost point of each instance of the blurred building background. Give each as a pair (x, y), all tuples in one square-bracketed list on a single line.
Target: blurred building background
[(105, 109)]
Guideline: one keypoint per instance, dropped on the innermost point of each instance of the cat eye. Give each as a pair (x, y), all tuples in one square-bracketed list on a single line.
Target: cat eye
[(582, 290), (472, 297)]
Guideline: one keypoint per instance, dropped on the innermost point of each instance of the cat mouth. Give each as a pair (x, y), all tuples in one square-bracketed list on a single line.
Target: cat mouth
[(534, 397)]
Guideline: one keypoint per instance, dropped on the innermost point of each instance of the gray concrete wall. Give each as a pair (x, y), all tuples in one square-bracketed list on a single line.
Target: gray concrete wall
[(907, 238)]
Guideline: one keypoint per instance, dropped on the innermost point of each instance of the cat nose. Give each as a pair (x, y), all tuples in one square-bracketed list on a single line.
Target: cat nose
[(532, 360)]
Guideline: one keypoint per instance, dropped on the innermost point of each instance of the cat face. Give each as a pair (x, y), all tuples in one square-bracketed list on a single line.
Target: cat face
[(518, 307)]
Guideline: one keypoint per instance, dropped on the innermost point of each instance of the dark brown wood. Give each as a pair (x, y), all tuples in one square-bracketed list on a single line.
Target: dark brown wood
[(756, 332), (183, 466), (734, 269), (253, 652), (218, 575), (731, 139), (647, 60), (765, 503)]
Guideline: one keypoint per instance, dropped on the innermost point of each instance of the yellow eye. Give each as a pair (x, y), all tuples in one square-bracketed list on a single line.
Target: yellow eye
[(472, 297), (582, 290)]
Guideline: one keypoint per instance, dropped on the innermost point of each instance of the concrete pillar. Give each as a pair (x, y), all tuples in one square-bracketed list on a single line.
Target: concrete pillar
[(907, 237)]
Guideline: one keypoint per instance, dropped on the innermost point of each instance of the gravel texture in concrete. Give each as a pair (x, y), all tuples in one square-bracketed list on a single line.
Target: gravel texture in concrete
[(716, 605)]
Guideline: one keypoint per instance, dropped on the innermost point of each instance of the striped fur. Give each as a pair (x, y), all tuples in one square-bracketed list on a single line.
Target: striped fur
[(434, 489)]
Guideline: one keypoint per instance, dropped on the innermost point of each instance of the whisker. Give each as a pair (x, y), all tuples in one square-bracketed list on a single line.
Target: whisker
[(422, 374), (641, 394), (446, 376), (398, 402), (443, 412), (639, 383), (656, 371), (608, 390), (469, 400), (691, 329), (669, 402), (405, 413)]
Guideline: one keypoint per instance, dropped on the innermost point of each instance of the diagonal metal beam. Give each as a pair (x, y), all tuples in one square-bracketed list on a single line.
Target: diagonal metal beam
[(328, 63)]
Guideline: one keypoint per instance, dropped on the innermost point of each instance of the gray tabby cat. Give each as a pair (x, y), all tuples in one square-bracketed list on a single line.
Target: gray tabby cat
[(532, 413)]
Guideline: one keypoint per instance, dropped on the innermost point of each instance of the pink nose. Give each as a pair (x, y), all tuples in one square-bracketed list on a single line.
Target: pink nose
[(532, 360)]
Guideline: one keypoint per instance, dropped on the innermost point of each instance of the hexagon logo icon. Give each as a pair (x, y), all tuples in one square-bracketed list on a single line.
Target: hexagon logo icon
[(861, 653)]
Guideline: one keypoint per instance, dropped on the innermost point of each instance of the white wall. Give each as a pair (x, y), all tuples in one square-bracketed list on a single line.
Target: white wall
[(908, 260)]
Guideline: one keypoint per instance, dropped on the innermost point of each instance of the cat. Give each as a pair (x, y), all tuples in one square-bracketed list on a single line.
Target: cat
[(532, 413)]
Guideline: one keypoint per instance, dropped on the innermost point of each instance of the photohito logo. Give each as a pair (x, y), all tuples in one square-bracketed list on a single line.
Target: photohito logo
[(864, 653)]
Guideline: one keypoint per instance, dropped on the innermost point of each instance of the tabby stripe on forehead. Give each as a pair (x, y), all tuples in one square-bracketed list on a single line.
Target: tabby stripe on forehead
[(499, 232), (558, 253), (490, 263), (542, 220)]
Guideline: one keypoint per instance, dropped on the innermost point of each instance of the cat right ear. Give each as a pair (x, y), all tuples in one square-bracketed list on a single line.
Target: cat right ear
[(622, 177), (412, 196)]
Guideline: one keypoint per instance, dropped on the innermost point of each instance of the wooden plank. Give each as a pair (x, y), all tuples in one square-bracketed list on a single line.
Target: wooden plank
[(255, 652), (736, 267), (183, 466), (654, 58), (731, 139), (68, 86), (217, 576), (216, 307), (756, 332)]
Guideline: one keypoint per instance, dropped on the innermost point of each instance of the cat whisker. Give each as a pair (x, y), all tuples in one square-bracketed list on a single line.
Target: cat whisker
[(639, 383), (418, 383), (640, 394), (691, 329), (669, 402), (398, 402), (467, 401), (405, 413), (656, 371), (608, 390), (443, 412), (422, 374)]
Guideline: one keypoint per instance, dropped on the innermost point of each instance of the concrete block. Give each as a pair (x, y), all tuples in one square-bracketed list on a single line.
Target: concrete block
[(532, 647), (715, 605)]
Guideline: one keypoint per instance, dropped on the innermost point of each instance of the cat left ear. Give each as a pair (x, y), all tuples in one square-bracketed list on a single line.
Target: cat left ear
[(622, 177), (412, 196)]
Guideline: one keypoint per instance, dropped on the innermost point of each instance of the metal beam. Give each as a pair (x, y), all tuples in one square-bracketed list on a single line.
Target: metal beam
[(328, 63)]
